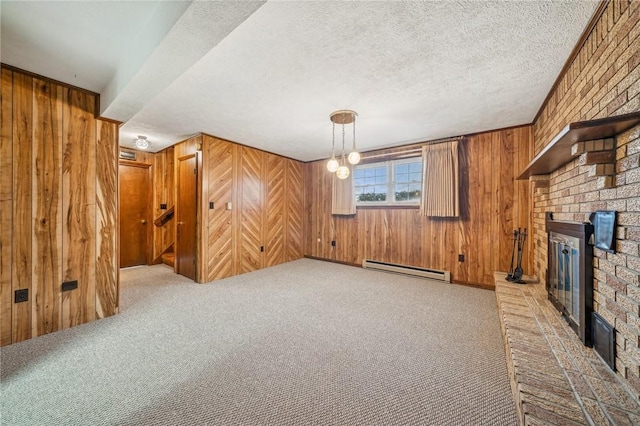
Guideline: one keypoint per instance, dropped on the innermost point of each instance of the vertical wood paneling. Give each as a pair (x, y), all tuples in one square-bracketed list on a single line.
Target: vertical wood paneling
[(474, 256), (492, 204), (6, 196), (294, 207), (486, 211), (52, 181), (252, 210), (220, 259), (524, 143), (274, 219), (47, 206), (163, 193), (499, 215), (6, 120), (463, 225), (5, 272), (107, 268), (506, 199), (79, 195), (22, 204), (309, 238)]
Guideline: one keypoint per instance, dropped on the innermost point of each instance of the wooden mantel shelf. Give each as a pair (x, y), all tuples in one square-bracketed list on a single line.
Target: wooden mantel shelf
[(558, 152)]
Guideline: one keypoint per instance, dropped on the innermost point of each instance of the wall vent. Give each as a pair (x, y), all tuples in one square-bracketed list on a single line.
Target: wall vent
[(416, 271), (604, 340)]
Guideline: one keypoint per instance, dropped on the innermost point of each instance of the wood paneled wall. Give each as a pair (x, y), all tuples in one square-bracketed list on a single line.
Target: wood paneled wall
[(58, 218), (263, 226), (493, 204), (163, 193)]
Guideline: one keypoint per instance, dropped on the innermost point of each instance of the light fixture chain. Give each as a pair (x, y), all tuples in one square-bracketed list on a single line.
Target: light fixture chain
[(354, 132), (343, 139), (333, 142)]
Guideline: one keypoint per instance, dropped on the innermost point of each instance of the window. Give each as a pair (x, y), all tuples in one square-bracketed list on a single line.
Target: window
[(395, 182)]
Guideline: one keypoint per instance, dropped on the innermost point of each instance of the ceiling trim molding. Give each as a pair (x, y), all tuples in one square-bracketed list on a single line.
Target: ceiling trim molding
[(574, 53), (501, 129)]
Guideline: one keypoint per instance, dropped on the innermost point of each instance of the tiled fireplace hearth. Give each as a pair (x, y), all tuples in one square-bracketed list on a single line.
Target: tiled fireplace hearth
[(556, 380)]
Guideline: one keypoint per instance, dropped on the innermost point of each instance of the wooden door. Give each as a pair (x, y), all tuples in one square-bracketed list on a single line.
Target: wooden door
[(134, 214), (186, 216)]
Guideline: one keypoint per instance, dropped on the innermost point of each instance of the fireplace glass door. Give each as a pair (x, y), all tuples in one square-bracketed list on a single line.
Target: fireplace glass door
[(564, 273)]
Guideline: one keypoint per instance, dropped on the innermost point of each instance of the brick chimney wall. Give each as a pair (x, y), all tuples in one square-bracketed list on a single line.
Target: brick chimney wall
[(602, 81)]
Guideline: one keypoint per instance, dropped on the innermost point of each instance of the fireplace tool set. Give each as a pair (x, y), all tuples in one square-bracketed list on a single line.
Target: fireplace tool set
[(515, 274)]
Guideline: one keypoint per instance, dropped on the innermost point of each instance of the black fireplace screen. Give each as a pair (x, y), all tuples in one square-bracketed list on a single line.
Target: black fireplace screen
[(570, 273)]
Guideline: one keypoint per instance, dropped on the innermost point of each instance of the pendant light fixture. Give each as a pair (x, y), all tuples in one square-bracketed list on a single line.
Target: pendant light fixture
[(343, 117)]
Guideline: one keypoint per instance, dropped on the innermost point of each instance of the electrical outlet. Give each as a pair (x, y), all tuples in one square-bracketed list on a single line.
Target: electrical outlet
[(69, 285), (163, 206), (333, 243), (21, 295), (211, 205), (261, 249), (461, 258)]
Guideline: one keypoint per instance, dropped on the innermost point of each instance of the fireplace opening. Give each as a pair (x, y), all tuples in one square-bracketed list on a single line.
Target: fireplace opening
[(570, 273)]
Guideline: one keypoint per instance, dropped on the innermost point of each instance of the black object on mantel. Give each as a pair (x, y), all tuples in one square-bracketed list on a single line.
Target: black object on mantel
[(515, 274), (558, 152), (604, 228)]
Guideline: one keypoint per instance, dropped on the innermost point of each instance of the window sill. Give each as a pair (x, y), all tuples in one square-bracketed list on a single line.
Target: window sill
[(388, 206)]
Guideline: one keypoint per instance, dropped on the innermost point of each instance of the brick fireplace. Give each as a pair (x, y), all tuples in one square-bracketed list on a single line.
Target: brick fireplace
[(602, 81)]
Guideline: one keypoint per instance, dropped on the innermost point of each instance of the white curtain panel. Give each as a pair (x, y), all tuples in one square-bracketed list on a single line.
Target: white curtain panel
[(343, 200), (440, 178)]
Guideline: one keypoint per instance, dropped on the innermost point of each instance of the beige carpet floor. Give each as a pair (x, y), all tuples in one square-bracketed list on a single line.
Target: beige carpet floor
[(306, 342)]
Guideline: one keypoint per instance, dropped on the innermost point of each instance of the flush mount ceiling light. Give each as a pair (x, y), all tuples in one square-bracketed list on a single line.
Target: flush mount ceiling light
[(142, 142), (340, 168)]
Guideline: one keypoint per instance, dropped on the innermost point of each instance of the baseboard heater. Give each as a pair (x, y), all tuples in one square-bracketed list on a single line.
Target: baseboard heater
[(416, 271)]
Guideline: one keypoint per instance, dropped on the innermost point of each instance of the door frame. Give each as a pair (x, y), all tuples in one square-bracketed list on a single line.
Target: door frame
[(149, 219), (197, 210)]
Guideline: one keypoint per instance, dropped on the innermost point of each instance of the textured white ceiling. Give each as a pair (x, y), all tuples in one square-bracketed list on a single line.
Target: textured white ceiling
[(83, 43), (268, 75)]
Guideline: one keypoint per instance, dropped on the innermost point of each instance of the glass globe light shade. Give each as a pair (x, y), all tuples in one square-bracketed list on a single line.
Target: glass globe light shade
[(333, 165), (343, 172), (354, 157), (142, 142)]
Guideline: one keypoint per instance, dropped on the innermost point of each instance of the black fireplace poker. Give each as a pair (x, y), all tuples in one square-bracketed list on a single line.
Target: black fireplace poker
[(515, 274)]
